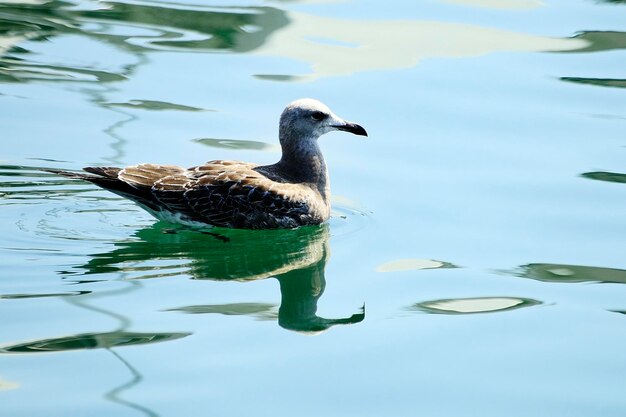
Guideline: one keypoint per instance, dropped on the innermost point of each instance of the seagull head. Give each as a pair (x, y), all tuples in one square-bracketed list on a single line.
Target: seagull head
[(310, 118)]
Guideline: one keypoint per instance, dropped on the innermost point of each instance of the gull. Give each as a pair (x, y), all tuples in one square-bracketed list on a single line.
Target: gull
[(293, 192)]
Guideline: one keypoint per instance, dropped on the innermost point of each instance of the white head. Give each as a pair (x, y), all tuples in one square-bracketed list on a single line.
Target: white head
[(308, 118)]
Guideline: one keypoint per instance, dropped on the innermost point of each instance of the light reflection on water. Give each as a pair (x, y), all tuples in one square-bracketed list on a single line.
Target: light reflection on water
[(473, 305), (88, 278), (351, 45)]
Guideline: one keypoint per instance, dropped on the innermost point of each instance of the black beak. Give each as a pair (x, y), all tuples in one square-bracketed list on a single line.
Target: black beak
[(352, 128)]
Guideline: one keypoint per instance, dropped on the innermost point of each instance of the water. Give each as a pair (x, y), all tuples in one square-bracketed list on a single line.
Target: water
[(474, 263)]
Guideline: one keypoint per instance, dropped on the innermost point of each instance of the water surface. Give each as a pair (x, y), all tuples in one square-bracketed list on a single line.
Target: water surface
[(474, 262)]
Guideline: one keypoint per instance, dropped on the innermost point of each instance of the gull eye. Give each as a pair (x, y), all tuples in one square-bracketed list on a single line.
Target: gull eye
[(318, 116)]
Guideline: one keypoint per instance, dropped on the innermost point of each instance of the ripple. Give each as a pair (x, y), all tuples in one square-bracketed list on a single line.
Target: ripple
[(30, 183), (60, 294), (605, 176), (474, 305), (347, 216), (602, 82), (192, 27), (571, 273), (155, 105), (23, 71), (412, 264), (90, 341), (238, 144), (53, 200), (261, 311), (601, 41), (283, 77)]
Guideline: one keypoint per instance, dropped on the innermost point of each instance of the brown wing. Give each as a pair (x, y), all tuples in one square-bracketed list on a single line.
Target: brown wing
[(221, 193), (232, 194), (146, 175), (170, 190)]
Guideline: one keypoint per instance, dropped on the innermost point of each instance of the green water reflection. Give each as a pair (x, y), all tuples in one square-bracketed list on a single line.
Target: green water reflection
[(571, 273), (154, 105), (22, 296), (296, 258), (605, 176), (90, 341), (133, 28), (330, 46), (602, 82), (598, 40)]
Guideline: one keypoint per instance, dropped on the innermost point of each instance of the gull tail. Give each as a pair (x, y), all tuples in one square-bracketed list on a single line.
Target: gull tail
[(101, 173), (107, 178)]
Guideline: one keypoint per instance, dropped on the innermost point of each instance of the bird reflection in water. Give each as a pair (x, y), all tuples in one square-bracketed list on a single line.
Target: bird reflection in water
[(296, 258)]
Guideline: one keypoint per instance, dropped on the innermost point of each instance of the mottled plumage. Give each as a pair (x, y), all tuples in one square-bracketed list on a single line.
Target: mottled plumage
[(293, 192)]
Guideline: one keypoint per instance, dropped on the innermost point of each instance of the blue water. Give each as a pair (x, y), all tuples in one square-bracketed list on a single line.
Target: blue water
[(474, 263)]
